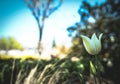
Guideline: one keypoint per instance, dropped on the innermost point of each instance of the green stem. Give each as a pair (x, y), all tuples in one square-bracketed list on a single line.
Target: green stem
[(95, 79), (97, 69)]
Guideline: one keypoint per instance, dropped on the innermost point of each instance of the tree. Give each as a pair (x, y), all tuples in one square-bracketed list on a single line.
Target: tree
[(42, 9), (106, 18), (14, 44), (9, 43), (4, 44)]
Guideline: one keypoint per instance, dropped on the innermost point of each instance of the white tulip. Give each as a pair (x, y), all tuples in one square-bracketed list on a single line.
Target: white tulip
[(93, 45)]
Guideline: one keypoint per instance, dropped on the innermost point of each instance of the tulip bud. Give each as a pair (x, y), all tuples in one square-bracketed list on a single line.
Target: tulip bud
[(93, 45)]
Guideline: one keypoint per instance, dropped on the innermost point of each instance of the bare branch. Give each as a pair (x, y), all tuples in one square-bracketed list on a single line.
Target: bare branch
[(42, 9)]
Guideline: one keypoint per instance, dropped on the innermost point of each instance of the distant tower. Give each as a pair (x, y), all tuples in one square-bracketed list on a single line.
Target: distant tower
[(54, 43)]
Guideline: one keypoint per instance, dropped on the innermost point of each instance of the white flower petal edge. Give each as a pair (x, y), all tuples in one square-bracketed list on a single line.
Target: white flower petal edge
[(89, 46), (96, 43), (99, 46)]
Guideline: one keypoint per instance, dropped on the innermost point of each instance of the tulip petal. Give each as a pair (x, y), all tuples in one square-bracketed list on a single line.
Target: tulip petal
[(100, 41), (96, 43), (88, 45), (99, 46), (100, 36)]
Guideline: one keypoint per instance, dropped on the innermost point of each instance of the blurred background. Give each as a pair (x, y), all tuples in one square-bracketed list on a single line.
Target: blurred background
[(53, 27)]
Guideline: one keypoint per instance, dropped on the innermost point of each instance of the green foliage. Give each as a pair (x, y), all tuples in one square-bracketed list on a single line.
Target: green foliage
[(4, 44), (106, 20), (9, 43), (54, 71), (92, 68)]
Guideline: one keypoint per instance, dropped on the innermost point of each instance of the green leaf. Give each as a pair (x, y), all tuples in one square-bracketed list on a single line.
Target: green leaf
[(92, 68)]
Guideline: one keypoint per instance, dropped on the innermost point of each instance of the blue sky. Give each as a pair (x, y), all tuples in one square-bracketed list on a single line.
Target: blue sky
[(16, 20), (19, 23)]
